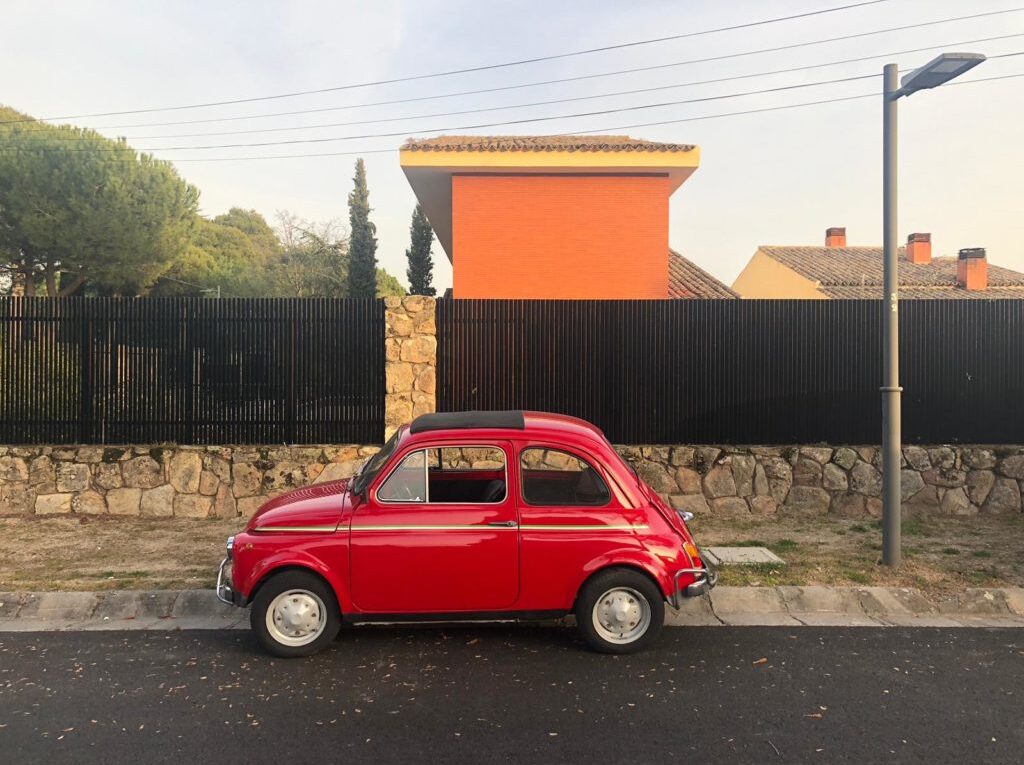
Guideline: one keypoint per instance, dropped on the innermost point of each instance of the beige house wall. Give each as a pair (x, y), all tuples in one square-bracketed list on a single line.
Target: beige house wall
[(764, 277)]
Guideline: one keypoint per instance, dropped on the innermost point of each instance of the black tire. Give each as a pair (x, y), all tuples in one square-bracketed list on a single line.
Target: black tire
[(632, 584), (300, 582)]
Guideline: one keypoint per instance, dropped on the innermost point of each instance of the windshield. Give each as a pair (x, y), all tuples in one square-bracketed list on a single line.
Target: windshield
[(373, 465)]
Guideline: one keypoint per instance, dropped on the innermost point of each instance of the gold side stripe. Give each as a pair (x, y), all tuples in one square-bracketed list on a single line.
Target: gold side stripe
[(301, 529), (462, 527), (467, 527), (585, 527)]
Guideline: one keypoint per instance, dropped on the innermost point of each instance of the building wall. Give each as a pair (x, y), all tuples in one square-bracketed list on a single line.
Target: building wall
[(559, 236), (766, 278)]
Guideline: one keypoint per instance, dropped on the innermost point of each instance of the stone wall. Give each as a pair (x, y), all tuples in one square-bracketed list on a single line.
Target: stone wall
[(410, 359), (844, 481), (231, 481), (163, 481)]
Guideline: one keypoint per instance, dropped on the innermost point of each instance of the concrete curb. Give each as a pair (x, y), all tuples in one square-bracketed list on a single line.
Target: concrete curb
[(732, 606)]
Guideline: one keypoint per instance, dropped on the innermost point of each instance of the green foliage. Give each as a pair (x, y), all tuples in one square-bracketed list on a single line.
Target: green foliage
[(77, 208), (256, 228), (314, 259), (362, 274), (421, 267), (219, 258), (388, 285)]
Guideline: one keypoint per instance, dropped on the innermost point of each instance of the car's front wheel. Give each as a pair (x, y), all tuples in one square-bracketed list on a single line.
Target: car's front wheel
[(619, 611), (295, 614)]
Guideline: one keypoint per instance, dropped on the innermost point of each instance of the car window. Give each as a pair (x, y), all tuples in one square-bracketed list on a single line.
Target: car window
[(407, 482), (453, 474), (553, 477)]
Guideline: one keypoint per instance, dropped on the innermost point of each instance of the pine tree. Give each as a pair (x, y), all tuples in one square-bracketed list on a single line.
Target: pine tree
[(362, 269), (421, 267)]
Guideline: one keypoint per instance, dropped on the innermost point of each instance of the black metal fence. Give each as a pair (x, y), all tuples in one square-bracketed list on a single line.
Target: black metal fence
[(732, 371), (110, 370)]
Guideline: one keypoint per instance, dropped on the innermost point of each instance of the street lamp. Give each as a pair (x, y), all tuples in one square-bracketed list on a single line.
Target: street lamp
[(938, 71)]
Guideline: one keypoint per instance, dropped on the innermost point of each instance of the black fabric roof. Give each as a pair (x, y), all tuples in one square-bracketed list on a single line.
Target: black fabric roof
[(465, 420)]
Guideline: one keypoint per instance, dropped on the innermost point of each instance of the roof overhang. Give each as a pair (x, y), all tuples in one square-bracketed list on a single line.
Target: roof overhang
[(430, 172)]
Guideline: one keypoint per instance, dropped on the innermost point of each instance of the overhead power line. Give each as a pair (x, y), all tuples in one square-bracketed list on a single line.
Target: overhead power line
[(633, 91), (521, 121), (576, 78), (481, 68), (606, 129)]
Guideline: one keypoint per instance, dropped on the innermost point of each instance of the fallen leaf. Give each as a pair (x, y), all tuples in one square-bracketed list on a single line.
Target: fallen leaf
[(762, 660)]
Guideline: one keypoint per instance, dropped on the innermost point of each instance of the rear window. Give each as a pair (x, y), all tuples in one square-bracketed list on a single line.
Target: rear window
[(553, 477)]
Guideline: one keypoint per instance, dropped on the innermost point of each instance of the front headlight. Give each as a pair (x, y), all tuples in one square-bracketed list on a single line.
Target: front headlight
[(230, 545)]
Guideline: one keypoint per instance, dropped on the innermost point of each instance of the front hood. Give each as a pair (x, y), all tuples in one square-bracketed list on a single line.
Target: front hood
[(312, 508)]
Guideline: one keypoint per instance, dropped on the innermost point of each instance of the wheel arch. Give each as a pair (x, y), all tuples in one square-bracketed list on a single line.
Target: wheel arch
[(283, 567), (622, 565)]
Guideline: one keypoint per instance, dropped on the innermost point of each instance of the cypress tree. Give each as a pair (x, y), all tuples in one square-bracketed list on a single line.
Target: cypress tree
[(421, 267), (362, 269)]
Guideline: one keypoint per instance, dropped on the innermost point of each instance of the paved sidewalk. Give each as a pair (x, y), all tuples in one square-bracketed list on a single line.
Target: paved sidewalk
[(732, 606)]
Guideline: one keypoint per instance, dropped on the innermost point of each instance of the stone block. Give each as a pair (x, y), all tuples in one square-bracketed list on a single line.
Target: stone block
[(419, 349), (89, 503), (979, 484), (50, 504), (705, 457), (834, 478), (208, 483), (89, 454), (17, 497), (1013, 467), (42, 475), (763, 506), (942, 457), (224, 504), (398, 377), (184, 471), (780, 477), (692, 503), (719, 482), (13, 469), (819, 454), (947, 478), (688, 480), (955, 502), (248, 480), (917, 457), (426, 380), (158, 502), (845, 457), (247, 506), (656, 476), (108, 476), (910, 483), (978, 458), (72, 476), (1003, 498), (865, 479), (124, 501), (192, 506), (142, 473), (807, 472), (743, 474), (729, 507), (682, 456)]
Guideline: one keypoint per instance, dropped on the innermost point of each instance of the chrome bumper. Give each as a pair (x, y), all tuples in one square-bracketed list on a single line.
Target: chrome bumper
[(707, 577), (224, 592)]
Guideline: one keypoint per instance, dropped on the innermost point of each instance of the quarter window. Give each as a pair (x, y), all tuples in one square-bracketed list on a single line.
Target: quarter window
[(449, 475), (552, 477)]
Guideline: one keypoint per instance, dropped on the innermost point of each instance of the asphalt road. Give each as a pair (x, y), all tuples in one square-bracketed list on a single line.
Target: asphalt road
[(516, 694)]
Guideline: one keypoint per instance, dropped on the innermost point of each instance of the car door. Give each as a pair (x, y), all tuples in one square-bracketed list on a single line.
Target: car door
[(455, 551)]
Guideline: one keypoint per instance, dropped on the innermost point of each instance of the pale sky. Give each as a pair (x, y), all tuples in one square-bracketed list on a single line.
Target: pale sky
[(777, 177)]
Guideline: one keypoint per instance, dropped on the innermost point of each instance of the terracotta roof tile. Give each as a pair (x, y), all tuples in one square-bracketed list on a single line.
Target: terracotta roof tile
[(856, 272), (539, 143), (687, 281)]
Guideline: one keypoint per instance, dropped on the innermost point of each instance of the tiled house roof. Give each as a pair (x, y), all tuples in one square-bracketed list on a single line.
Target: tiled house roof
[(540, 143), (687, 281), (856, 272)]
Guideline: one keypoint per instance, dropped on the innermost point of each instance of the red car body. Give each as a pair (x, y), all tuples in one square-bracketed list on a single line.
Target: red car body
[(386, 561)]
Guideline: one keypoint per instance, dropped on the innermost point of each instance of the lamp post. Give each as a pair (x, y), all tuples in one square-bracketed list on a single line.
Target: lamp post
[(938, 71)]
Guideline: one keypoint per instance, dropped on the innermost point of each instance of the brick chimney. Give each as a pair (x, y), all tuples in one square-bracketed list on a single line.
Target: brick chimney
[(919, 248), (835, 237), (972, 269)]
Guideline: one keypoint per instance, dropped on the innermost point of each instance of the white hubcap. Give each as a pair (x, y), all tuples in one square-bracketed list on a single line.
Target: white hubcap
[(296, 617), (622, 615)]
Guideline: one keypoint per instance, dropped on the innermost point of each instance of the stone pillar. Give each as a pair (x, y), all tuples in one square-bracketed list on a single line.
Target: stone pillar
[(410, 360)]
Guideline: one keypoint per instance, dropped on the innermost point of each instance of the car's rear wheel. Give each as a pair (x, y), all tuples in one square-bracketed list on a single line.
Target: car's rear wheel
[(295, 614), (619, 611)]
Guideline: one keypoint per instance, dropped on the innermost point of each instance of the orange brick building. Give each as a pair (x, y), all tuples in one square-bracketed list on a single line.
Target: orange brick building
[(570, 217)]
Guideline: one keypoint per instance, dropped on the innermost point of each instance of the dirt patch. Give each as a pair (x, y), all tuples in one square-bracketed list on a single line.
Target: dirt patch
[(939, 554), (87, 553)]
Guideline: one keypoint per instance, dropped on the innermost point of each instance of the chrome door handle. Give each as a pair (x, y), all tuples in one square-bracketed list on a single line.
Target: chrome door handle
[(503, 524)]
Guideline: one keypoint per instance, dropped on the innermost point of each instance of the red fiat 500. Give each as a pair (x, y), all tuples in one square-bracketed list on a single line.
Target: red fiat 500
[(469, 516)]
